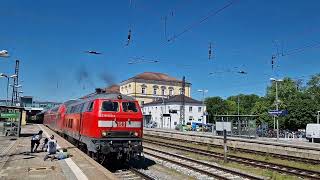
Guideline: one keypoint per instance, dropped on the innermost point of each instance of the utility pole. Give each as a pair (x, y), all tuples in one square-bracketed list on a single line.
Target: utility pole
[(277, 108), (15, 93), (225, 148), (182, 107), (203, 99), (239, 124), (277, 105)]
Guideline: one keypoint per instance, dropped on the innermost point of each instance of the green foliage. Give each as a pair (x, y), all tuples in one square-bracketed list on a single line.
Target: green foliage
[(301, 102), (313, 87), (215, 105)]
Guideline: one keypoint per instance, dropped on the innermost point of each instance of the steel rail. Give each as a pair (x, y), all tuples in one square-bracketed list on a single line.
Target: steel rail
[(247, 161), (286, 157), (220, 168)]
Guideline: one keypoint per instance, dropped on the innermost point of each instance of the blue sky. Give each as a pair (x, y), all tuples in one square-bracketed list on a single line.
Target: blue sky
[(49, 37)]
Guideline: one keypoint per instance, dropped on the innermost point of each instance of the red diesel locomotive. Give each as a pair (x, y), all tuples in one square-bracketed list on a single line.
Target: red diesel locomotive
[(107, 126)]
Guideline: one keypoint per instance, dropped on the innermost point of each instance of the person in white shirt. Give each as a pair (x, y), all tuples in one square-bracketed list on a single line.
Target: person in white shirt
[(36, 140), (52, 145)]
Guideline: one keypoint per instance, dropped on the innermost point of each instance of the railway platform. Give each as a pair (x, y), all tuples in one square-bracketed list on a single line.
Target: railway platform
[(16, 161)]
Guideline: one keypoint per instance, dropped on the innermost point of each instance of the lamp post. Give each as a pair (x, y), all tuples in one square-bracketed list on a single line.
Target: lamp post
[(8, 81), (203, 93), (15, 87), (318, 116), (277, 104)]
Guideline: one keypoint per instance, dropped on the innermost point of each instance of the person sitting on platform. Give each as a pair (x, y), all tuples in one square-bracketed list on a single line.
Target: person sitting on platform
[(45, 145), (62, 154), (52, 145)]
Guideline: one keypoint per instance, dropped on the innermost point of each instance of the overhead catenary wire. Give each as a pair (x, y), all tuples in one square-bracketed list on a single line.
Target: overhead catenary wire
[(301, 49), (211, 13)]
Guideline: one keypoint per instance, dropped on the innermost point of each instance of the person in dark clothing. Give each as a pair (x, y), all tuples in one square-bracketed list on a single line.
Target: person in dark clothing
[(35, 140), (45, 145)]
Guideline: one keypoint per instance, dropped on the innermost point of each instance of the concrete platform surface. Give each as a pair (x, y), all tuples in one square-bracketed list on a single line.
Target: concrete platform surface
[(16, 161)]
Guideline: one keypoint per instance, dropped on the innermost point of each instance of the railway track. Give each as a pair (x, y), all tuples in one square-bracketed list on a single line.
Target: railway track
[(211, 171), (131, 173), (284, 157), (246, 161)]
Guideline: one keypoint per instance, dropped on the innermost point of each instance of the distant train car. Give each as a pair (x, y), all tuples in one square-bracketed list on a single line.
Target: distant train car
[(107, 126)]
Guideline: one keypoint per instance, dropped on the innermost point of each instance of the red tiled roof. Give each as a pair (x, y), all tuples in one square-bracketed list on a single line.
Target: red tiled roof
[(155, 76)]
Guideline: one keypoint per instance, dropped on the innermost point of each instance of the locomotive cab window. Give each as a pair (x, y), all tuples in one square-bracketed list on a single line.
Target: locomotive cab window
[(90, 107), (109, 106), (129, 107)]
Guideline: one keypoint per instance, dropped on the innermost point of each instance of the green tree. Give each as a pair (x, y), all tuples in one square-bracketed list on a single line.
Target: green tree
[(301, 111), (246, 102), (215, 106), (261, 108), (313, 87), (287, 89)]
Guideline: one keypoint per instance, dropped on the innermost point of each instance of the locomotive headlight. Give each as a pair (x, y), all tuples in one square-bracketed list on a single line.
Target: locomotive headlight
[(104, 133), (136, 134)]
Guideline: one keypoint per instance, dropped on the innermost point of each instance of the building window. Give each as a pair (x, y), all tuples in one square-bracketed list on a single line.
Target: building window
[(199, 109), (163, 92), (190, 108), (180, 91), (190, 118), (171, 92), (154, 91), (143, 90), (175, 123)]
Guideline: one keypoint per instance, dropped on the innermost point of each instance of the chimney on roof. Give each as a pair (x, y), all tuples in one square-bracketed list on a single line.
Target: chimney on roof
[(100, 91)]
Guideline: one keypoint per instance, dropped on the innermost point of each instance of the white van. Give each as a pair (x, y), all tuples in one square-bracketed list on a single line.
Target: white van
[(313, 131)]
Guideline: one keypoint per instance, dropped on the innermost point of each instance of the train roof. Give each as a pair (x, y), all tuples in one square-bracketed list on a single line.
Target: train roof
[(112, 96)]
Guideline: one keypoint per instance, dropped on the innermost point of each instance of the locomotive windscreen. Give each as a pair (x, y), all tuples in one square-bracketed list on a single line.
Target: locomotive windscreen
[(110, 106), (129, 107)]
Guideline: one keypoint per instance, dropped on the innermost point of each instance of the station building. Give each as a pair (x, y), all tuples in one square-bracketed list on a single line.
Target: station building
[(159, 96), (149, 86), (166, 112)]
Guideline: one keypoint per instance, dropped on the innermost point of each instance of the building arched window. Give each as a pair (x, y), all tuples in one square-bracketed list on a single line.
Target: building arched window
[(143, 89), (171, 92), (155, 89), (163, 90)]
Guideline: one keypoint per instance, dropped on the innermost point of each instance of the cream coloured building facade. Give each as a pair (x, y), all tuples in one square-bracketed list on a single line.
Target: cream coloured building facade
[(150, 86)]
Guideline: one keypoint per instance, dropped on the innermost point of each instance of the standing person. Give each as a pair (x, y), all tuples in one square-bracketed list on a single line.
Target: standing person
[(36, 140)]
